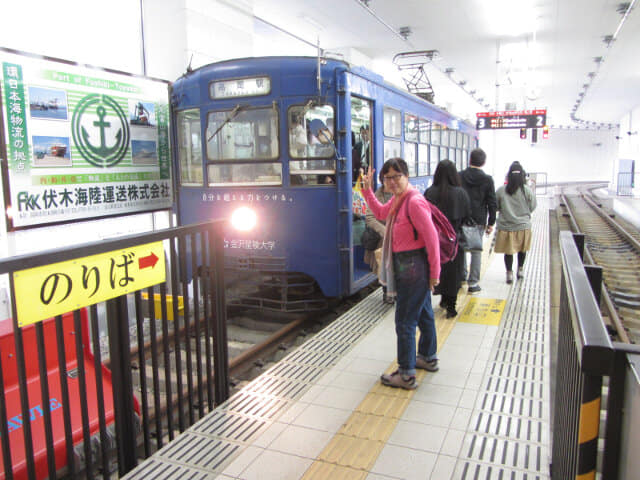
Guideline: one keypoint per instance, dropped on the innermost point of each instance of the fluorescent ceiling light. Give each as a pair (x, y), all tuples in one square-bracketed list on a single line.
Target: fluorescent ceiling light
[(509, 17)]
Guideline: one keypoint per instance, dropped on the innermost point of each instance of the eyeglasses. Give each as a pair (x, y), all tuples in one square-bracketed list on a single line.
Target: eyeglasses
[(393, 178)]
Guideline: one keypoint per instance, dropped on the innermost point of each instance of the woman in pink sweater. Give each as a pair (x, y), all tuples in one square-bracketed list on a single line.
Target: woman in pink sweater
[(410, 269)]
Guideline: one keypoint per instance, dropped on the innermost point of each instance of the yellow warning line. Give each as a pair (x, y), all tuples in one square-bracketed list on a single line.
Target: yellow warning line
[(353, 451)]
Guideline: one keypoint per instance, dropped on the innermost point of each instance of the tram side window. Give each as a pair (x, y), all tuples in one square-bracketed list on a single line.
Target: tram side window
[(411, 128), (410, 157), (436, 128), (189, 147), (434, 158), (392, 123), (391, 149), (425, 131), (423, 160), (311, 140), (240, 143)]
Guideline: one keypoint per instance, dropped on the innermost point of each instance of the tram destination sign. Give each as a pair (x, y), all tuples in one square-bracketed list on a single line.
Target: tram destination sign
[(511, 119)]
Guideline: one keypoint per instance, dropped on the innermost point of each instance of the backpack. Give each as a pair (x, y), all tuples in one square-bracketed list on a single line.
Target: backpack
[(446, 234)]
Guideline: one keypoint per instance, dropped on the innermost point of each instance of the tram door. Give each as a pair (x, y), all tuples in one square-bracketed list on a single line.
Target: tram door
[(361, 158)]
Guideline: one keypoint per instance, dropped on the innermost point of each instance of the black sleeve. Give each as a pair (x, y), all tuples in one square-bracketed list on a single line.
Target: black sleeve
[(492, 204), (466, 206)]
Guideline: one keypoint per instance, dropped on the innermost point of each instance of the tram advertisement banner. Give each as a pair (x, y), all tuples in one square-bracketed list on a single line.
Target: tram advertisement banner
[(81, 142)]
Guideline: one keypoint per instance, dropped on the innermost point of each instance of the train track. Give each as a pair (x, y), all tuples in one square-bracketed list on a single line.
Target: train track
[(256, 341), (613, 245)]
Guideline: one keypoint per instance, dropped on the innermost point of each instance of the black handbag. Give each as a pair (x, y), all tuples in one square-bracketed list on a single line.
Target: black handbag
[(470, 237), (370, 239)]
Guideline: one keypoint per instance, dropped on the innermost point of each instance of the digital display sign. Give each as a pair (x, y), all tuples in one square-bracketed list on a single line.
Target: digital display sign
[(511, 119)]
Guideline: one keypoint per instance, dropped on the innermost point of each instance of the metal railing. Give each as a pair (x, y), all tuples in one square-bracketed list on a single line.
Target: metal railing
[(586, 358), (538, 181), (625, 184), (167, 364)]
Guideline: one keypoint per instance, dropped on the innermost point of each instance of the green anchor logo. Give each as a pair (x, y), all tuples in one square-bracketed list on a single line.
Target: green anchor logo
[(100, 155)]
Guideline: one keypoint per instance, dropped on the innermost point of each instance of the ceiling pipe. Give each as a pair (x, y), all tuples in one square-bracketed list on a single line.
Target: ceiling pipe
[(365, 4)]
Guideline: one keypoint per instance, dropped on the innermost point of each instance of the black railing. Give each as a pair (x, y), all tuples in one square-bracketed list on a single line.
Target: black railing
[(585, 356), (167, 364)]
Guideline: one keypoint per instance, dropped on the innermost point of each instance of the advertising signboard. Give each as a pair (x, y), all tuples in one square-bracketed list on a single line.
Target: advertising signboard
[(81, 142)]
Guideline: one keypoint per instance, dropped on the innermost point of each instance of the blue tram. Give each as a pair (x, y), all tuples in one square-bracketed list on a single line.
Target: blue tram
[(284, 137)]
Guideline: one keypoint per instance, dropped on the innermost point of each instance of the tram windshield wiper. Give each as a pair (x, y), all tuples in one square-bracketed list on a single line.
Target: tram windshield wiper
[(234, 113)]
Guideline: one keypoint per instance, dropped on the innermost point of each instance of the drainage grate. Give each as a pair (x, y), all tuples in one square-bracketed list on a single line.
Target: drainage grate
[(215, 440), (229, 426), (524, 429), (158, 469), (277, 387), (508, 437), (255, 405), (505, 452), (197, 450), (478, 471)]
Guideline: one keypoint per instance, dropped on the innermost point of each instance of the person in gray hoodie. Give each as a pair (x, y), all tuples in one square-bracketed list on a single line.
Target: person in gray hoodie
[(479, 186), (516, 202)]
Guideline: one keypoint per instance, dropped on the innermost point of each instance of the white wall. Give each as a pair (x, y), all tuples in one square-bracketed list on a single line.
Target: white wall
[(566, 156), (629, 143), (86, 31)]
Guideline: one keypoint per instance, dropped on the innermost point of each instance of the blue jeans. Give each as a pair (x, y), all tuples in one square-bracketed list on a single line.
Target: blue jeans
[(413, 308)]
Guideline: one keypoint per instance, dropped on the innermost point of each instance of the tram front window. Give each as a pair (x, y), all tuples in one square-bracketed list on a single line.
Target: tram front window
[(239, 144), (189, 149), (311, 145)]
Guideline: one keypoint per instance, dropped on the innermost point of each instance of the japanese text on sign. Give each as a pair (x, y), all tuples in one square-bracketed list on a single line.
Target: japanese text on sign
[(50, 290), (511, 119)]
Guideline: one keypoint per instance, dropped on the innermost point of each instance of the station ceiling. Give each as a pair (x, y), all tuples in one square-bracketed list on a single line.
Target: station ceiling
[(580, 59)]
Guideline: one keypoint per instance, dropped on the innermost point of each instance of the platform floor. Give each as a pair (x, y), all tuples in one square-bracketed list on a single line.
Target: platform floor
[(322, 413)]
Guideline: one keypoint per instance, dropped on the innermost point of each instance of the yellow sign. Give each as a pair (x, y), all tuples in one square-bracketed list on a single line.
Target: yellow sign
[(50, 290), (487, 311)]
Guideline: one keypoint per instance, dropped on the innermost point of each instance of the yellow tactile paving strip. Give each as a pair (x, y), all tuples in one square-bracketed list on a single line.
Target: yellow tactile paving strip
[(353, 451), (485, 311)]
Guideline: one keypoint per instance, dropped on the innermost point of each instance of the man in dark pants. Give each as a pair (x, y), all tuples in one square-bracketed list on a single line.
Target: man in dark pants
[(482, 193)]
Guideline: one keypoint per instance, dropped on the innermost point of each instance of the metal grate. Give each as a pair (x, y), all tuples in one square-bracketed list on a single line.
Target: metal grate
[(214, 441), (197, 450), (509, 434), (158, 469), (229, 426)]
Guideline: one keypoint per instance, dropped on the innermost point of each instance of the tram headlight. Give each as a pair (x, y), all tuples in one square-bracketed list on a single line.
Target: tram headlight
[(244, 219)]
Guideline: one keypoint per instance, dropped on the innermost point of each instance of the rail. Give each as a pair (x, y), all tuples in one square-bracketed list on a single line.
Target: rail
[(69, 415), (586, 357)]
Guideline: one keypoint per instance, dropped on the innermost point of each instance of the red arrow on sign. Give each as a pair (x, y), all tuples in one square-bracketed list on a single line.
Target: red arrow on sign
[(148, 261)]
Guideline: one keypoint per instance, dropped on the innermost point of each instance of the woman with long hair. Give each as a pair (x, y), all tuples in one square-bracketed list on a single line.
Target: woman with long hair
[(447, 194), (410, 269), (516, 201)]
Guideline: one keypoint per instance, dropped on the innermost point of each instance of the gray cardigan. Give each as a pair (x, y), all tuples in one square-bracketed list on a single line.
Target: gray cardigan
[(515, 210)]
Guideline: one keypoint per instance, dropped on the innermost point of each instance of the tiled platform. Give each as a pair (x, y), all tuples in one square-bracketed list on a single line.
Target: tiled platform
[(322, 413)]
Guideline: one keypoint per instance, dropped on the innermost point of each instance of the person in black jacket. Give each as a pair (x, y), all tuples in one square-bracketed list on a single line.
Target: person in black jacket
[(447, 194), (479, 186)]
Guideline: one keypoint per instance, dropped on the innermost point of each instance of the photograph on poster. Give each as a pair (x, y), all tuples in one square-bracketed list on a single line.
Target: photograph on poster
[(142, 113), (47, 103), (143, 152), (51, 151)]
